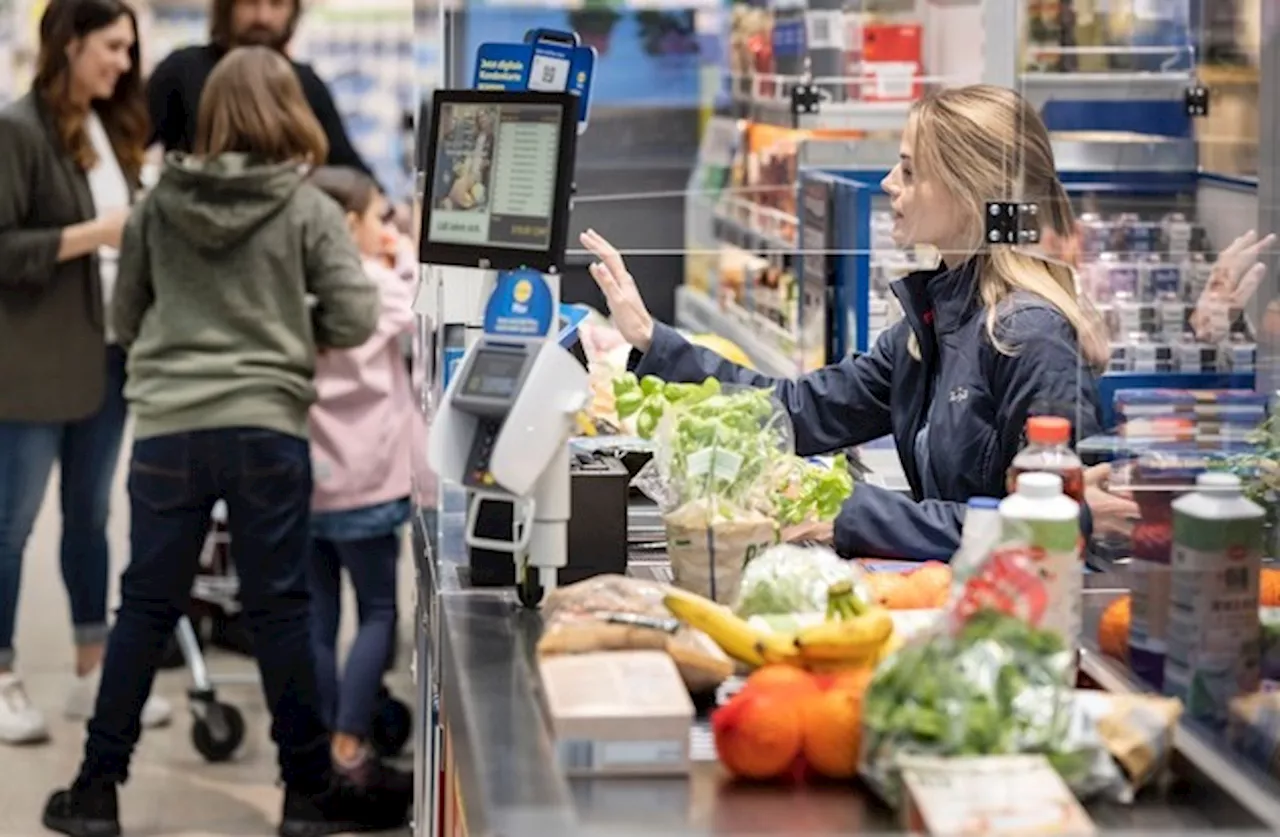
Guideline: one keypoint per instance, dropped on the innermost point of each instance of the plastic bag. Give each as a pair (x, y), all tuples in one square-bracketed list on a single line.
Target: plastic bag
[(792, 579), (711, 477), (985, 682), (616, 613)]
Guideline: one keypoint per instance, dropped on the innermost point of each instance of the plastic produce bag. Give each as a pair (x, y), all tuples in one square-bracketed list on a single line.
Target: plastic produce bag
[(617, 613), (712, 476), (792, 579), (985, 682)]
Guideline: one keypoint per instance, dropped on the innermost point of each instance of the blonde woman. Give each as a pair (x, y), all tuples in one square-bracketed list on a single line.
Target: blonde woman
[(990, 337)]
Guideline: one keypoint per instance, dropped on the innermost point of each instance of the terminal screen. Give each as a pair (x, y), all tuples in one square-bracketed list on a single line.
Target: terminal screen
[(494, 375), (495, 175)]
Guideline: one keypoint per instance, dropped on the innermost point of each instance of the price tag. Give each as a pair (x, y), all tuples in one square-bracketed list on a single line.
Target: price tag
[(549, 74), (718, 462)]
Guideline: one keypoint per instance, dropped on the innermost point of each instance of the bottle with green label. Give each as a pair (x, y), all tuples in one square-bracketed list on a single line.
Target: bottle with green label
[(1039, 515), (1214, 641)]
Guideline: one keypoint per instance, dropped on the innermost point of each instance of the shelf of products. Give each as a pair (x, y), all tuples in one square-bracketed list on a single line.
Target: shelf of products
[(1137, 184)]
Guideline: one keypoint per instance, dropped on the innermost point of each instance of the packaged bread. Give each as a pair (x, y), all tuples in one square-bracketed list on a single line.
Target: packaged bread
[(617, 613)]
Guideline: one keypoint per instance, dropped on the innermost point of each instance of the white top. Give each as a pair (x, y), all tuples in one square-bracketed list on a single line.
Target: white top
[(110, 192)]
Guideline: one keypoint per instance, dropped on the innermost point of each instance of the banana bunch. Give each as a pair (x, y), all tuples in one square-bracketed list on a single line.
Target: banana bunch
[(852, 634), (734, 635)]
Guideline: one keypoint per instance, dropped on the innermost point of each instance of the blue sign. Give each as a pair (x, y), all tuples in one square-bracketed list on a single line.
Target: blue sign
[(521, 305), (571, 316), (546, 66)]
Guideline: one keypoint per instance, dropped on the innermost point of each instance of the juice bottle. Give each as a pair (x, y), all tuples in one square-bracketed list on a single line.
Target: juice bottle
[(1215, 636), (1041, 516), (1049, 450)]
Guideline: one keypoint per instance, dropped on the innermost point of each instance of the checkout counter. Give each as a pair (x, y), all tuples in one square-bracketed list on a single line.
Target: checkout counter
[(496, 773), (485, 756)]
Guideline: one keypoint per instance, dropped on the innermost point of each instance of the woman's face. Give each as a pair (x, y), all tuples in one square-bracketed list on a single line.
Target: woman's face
[(370, 229), (923, 212), (97, 60)]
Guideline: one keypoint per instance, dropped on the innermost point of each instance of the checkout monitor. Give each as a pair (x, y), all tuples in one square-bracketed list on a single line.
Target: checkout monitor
[(499, 175)]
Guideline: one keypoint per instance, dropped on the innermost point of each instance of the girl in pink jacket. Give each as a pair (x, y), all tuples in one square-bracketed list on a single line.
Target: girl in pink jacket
[(361, 437)]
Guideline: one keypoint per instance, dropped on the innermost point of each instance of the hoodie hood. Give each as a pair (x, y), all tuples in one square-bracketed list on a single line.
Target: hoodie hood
[(216, 203)]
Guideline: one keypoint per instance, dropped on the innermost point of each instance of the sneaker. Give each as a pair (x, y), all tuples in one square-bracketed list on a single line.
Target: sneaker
[(156, 712), (20, 722), (84, 810), (343, 809)]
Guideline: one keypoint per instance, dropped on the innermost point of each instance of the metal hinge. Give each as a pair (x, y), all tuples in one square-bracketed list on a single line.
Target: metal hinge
[(805, 99), (1012, 223), (1196, 100)]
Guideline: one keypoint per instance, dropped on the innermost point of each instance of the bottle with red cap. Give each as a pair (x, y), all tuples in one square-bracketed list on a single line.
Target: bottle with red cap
[(1049, 450)]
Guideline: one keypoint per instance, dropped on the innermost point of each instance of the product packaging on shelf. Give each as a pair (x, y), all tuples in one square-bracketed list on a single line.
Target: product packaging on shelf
[(891, 62)]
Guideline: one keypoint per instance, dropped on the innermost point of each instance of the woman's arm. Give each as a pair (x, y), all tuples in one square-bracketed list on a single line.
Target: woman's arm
[(838, 406), (30, 254), (1045, 375)]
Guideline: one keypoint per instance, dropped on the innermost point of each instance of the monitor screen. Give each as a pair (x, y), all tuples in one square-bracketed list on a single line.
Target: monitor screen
[(495, 175), (494, 374)]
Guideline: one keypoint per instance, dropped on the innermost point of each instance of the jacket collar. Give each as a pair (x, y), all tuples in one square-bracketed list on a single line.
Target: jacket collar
[(938, 301)]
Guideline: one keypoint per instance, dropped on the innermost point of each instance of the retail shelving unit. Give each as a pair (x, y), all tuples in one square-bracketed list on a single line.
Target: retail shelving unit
[(1125, 147)]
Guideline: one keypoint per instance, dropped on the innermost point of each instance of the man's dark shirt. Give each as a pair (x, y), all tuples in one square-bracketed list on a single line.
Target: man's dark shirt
[(173, 98)]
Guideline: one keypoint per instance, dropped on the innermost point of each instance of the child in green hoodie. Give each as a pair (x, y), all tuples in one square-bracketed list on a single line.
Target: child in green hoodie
[(234, 272)]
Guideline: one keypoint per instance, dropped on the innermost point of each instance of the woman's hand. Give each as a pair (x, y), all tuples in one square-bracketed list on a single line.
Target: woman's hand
[(111, 227), (1236, 276), (1113, 513), (823, 533), (620, 292)]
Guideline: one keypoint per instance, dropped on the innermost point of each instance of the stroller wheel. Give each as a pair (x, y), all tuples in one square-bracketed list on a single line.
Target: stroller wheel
[(217, 730), (392, 726)]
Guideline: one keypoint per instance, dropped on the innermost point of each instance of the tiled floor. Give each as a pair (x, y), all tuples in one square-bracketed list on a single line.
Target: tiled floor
[(172, 792)]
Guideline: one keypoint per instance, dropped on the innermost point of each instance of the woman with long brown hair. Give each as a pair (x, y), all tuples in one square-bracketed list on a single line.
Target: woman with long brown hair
[(70, 155), (219, 262)]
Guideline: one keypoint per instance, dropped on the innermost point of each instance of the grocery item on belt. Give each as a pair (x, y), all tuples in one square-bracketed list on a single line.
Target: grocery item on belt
[(614, 613), (1136, 729), (790, 579)]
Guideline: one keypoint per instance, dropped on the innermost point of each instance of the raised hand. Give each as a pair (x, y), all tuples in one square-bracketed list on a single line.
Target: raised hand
[(630, 316), (1235, 278)]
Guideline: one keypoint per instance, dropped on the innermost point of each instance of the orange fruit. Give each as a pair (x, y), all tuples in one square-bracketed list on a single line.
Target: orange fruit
[(853, 679), (933, 580), (782, 678), (1113, 628), (1270, 588), (833, 732), (885, 587), (759, 734)]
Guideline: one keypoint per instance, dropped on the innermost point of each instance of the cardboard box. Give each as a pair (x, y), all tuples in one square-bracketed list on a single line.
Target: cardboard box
[(620, 713), (995, 796)]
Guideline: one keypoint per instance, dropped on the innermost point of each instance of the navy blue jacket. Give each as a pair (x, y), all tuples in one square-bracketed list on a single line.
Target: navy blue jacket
[(974, 399)]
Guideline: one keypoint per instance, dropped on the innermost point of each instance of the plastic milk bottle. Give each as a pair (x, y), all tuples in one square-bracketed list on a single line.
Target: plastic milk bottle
[(1040, 515), (1214, 634)]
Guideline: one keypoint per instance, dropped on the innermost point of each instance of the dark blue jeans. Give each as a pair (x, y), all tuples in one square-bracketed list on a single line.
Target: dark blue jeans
[(174, 481), (87, 452), (350, 701)]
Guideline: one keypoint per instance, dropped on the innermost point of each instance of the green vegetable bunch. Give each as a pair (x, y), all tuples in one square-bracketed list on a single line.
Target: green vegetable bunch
[(723, 448), (809, 492), (648, 399), (997, 687)]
